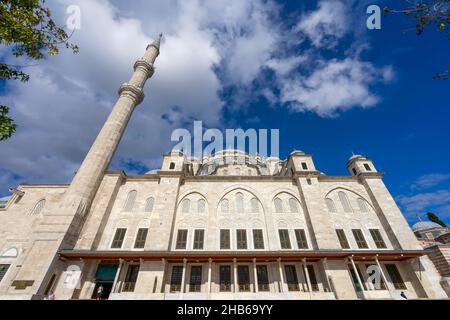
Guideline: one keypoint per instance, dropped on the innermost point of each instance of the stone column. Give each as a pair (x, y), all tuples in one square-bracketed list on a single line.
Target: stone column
[(255, 275), (183, 278), (388, 284), (234, 276), (115, 287), (357, 276), (209, 275), (308, 281), (280, 268)]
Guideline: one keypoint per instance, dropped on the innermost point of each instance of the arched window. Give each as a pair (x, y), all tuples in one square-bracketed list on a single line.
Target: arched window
[(129, 203), (362, 205), (344, 201), (149, 204), (201, 204), (330, 205), (38, 207), (293, 205), (255, 205), (224, 205), (278, 205), (239, 202), (186, 205)]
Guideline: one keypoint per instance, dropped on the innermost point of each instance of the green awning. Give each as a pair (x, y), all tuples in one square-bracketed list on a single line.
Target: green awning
[(106, 273)]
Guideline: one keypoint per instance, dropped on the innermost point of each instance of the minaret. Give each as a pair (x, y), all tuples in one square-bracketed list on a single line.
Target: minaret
[(83, 188)]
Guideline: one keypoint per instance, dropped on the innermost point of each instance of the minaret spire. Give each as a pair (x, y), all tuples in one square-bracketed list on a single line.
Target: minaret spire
[(157, 42), (79, 195)]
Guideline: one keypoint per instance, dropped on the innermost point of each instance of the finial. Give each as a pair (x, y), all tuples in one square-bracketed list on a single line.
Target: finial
[(353, 153), (420, 219), (157, 42)]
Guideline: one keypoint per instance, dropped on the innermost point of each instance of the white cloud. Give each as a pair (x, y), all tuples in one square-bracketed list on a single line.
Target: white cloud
[(62, 108), (326, 25), (429, 181), (334, 85), (438, 201)]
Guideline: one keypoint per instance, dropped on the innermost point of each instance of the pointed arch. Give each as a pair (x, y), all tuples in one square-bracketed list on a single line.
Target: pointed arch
[(293, 205), (149, 204), (225, 206), (129, 202), (362, 205), (330, 205), (201, 206), (186, 206), (278, 205), (239, 202), (344, 201), (38, 207), (254, 203)]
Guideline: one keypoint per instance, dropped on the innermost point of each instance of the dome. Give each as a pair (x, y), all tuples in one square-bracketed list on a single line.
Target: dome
[(425, 225), (355, 156)]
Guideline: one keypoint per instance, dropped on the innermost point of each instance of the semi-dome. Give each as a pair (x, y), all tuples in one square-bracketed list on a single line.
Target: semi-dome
[(425, 225)]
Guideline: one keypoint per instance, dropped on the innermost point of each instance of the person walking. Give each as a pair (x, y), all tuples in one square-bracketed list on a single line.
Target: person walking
[(100, 291)]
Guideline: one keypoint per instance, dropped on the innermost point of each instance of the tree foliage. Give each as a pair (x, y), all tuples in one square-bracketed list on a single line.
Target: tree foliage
[(433, 217), (427, 13), (28, 31)]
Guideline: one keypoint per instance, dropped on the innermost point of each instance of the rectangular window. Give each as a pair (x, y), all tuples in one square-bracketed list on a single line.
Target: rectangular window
[(244, 278), (175, 281), (258, 239), (263, 278), (301, 239), (379, 242), (284, 239), (342, 239), (368, 168), (131, 278), (291, 278), (225, 278), (395, 276), (359, 237), (3, 269), (118, 238), (140, 238), (181, 239), (172, 166), (195, 283), (241, 236), (225, 239), (377, 279), (199, 236), (312, 278), (304, 166)]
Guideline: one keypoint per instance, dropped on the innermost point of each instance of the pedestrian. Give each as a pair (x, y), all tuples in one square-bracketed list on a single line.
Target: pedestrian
[(100, 292), (403, 295), (51, 296)]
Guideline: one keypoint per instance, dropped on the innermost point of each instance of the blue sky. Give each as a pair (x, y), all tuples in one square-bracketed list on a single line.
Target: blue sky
[(310, 69)]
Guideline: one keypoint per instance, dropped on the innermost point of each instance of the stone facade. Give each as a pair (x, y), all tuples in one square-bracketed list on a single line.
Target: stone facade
[(221, 194), (229, 226)]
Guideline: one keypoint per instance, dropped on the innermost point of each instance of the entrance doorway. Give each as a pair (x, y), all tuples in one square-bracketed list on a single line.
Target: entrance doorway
[(104, 278), (107, 288)]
